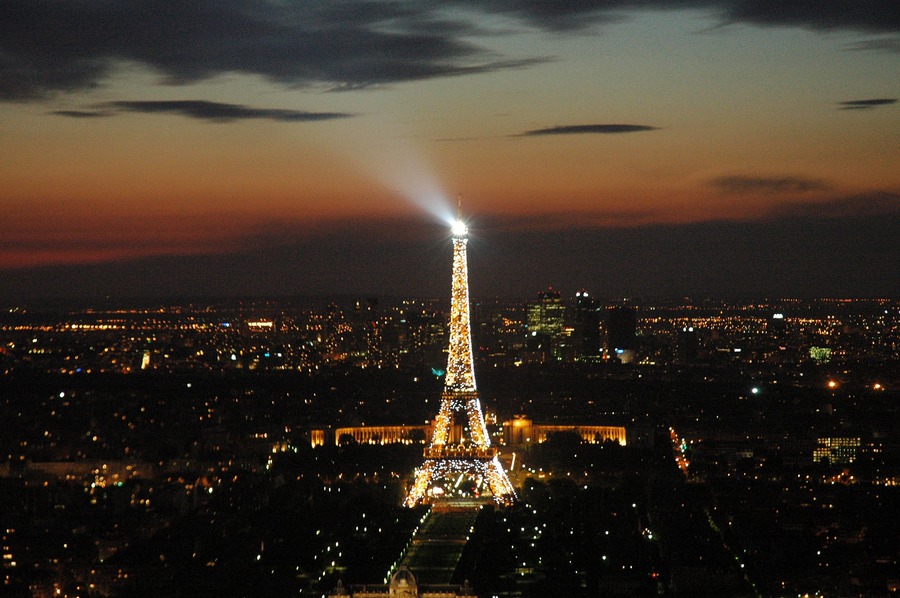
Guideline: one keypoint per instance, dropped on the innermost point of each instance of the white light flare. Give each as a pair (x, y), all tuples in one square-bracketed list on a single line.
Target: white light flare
[(401, 166)]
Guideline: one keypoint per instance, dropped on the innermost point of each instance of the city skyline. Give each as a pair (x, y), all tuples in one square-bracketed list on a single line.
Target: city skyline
[(629, 148), (264, 448)]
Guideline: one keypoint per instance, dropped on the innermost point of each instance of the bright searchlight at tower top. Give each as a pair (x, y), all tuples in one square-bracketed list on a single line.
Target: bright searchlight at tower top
[(458, 227)]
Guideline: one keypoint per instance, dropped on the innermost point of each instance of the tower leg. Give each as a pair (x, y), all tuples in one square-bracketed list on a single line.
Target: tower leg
[(420, 486), (441, 434), (477, 427), (499, 483)]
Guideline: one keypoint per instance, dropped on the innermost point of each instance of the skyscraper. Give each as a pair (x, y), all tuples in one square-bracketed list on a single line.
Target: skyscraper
[(587, 327), (688, 345), (544, 322), (547, 314), (621, 329)]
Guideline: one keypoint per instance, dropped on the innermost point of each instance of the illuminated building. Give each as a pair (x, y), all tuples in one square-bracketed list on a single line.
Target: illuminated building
[(546, 315), (403, 584), (522, 431), (473, 456), (820, 354), (838, 450), (383, 434), (544, 321)]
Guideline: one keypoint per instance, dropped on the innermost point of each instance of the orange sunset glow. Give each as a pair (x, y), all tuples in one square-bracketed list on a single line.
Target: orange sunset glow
[(192, 131)]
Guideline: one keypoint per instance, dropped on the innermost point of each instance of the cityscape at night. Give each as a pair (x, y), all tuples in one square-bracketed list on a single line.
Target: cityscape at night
[(266, 447), (386, 298)]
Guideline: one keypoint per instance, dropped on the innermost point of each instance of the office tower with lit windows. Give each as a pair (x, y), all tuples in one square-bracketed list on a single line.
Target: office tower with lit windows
[(544, 326)]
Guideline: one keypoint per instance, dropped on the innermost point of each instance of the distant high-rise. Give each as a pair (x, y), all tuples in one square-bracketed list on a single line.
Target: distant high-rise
[(621, 329), (544, 323), (587, 326), (364, 319), (688, 345), (547, 314)]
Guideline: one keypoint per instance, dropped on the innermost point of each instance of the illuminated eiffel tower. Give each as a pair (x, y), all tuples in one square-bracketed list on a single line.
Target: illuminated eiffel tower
[(473, 456)]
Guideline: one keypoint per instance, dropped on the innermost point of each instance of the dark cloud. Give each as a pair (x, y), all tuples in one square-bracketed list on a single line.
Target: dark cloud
[(450, 139), (81, 113), (220, 112), (822, 15), (561, 15), (591, 129), (453, 71), (47, 46), (759, 184), (866, 104), (881, 44), (201, 109), (876, 203)]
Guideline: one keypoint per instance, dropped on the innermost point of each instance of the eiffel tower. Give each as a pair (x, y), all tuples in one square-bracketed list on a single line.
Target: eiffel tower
[(473, 456)]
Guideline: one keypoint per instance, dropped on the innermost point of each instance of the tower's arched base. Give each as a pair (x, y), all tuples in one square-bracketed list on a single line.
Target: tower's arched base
[(481, 464)]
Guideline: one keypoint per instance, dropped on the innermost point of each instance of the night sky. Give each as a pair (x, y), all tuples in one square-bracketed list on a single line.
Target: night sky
[(251, 147)]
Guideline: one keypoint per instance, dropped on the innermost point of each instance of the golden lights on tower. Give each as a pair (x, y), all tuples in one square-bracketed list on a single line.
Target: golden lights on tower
[(476, 458), (460, 368)]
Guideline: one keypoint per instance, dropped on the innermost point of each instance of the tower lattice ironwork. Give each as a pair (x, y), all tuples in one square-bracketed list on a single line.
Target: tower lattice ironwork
[(473, 455)]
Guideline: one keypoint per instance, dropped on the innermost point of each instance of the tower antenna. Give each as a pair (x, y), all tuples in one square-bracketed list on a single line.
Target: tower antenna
[(459, 206)]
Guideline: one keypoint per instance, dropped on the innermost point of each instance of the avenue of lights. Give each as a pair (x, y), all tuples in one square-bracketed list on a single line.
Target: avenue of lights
[(477, 459), (679, 446)]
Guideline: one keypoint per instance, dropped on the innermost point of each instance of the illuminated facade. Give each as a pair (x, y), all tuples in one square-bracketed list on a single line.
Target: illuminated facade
[(403, 584), (839, 451), (383, 434), (473, 456), (522, 431)]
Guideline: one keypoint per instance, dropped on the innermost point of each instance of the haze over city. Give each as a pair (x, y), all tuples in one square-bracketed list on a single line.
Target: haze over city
[(236, 148)]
